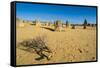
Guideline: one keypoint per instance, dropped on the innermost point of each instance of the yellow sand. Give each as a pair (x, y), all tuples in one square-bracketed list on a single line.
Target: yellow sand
[(71, 45)]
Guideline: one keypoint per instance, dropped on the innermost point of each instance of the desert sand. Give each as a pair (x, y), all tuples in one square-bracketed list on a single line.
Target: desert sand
[(70, 45)]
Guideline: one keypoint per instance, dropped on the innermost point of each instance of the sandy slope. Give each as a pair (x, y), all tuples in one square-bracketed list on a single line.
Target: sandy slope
[(71, 45)]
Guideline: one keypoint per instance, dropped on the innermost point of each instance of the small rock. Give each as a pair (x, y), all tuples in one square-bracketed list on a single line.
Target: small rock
[(80, 50), (93, 58)]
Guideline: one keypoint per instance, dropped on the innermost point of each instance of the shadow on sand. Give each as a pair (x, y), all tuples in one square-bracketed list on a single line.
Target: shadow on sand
[(38, 45), (51, 29)]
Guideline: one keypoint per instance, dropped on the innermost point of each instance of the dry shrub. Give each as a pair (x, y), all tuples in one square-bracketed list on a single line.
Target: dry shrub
[(39, 44)]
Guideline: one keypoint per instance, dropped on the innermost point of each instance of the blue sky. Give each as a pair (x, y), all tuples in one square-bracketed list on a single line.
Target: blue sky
[(44, 12)]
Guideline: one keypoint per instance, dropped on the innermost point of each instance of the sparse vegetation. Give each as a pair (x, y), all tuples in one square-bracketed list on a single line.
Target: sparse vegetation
[(39, 45), (92, 25), (88, 24), (67, 24), (85, 24)]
